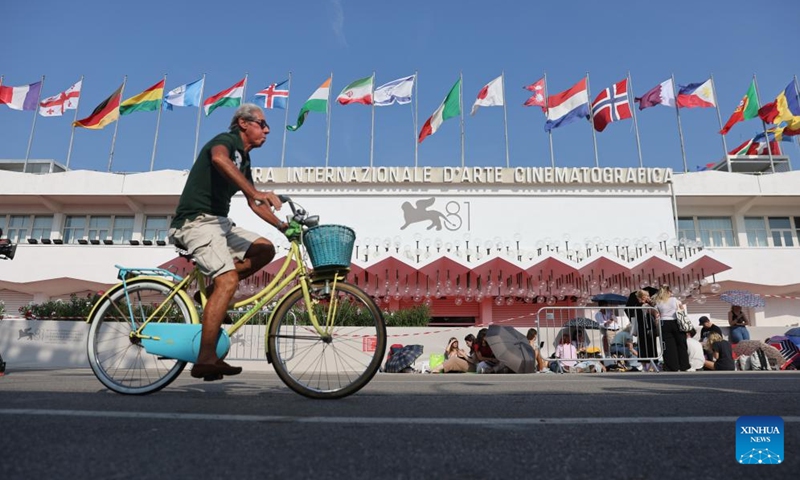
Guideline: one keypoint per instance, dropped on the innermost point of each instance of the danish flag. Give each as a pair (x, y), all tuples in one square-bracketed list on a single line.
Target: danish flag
[(611, 105)]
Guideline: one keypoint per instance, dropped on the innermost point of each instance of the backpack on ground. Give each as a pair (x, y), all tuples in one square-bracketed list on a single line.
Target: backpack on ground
[(755, 361)]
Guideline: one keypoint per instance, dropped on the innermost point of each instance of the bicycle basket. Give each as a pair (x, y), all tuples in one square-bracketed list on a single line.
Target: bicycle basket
[(330, 245)]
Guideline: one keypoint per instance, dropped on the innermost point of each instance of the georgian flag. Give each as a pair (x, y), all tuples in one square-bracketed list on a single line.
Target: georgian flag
[(56, 105)]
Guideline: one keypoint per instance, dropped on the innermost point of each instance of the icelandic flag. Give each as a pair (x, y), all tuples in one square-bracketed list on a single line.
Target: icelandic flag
[(187, 95), (696, 95), (275, 96), (567, 107)]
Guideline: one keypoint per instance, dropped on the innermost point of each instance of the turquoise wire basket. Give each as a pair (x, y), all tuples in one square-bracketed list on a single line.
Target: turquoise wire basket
[(330, 246)]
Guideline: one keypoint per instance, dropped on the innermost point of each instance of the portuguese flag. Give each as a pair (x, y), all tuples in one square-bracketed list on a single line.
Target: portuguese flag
[(105, 113), (747, 109), (318, 102), (451, 107), (232, 97), (147, 101)]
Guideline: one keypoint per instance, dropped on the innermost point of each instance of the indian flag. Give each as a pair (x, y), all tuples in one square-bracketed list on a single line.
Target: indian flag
[(232, 97), (147, 101), (359, 91), (318, 102), (451, 107)]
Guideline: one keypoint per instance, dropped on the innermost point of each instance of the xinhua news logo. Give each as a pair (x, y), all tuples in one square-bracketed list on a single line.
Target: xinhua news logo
[(759, 440)]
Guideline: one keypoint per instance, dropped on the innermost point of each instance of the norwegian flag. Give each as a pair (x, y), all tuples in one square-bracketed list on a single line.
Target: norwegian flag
[(611, 105)]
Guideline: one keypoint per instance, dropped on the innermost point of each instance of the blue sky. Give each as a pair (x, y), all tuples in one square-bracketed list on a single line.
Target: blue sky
[(148, 39)]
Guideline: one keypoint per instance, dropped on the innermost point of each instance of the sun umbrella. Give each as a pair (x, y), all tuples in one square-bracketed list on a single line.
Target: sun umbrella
[(511, 348), (402, 359), (748, 347), (793, 332), (610, 298), (742, 298), (789, 350), (582, 322)]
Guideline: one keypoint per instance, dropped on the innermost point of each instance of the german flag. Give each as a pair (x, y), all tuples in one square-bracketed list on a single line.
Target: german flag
[(105, 113)]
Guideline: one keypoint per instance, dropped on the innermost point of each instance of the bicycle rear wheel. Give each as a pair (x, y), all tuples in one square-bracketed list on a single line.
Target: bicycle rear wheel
[(118, 358), (334, 366)]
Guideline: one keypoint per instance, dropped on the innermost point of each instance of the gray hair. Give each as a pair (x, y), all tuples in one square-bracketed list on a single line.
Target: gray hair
[(246, 111)]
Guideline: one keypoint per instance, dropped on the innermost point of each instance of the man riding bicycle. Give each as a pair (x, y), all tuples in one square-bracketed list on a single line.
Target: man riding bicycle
[(223, 251)]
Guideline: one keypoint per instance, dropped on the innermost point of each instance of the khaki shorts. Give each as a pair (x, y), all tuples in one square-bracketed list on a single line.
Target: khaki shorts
[(214, 242)]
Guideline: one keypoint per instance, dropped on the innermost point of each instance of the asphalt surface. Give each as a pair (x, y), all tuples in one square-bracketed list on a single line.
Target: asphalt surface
[(65, 424)]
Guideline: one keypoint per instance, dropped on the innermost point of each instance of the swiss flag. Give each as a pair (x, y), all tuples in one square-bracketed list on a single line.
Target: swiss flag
[(611, 105)]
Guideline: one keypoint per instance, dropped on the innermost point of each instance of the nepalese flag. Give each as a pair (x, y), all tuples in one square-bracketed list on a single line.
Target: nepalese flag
[(696, 95), (275, 96), (21, 98), (56, 105), (537, 99), (611, 105)]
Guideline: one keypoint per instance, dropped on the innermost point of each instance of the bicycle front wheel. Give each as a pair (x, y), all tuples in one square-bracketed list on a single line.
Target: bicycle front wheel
[(117, 357), (335, 365)]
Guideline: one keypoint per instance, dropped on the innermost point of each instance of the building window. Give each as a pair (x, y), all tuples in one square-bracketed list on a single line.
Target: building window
[(17, 230), (686, 228), (756, 231), (797, 227), (155, 228), (42, 226), (99, 228), (716, 231), (780, 229), (74, 228), (123, 229)]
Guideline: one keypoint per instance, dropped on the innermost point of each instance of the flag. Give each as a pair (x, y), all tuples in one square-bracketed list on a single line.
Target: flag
[(147, 101), (56, 105), (696, 95), (785, 108), (758, 146), (707, 166), (317, 102), (747, 109), (611, 105), (450, 107), (21, 98), (105, 113), (661, 94), (537, 99), (567, 107), (491, 95), (187, 95), (399, 91), (359, 91), (231, 97), (275, 96)]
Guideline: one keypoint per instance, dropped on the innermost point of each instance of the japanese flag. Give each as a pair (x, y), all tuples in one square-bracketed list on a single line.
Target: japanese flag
[(490, 96)]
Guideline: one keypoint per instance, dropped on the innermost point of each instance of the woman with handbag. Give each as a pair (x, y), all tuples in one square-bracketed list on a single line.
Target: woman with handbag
[(676, 353)]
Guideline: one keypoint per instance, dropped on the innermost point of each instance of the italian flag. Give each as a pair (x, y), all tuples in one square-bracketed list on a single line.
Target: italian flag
[(231, 97), (359, 91), (147, 101), (318, 102), (747, 109), (451, 107)]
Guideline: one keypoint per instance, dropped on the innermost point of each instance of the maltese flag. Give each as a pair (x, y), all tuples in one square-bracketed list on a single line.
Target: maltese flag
[(490, 95)]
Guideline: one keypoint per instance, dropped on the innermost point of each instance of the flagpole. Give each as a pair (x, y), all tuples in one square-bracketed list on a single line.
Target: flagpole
[(33, 126), (199, 116), (244, 87), (797, 138), (372, 133), (680, 129), (546, 113), (719, 119), (414, 119), (461, 108), (116, 124), (635, 122), (328, 139), (505, 116), (591, 121), (75, 119), (286, 120), (158, 123), (764, 124)]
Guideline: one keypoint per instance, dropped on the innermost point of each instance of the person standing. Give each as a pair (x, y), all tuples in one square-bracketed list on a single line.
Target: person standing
[(224, 252), (738, 322), (644, 327), (676, 355)]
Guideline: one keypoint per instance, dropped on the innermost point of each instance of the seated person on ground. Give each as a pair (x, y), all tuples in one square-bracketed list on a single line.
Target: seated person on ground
[(721, 353), (455, 359), (695, 348), (566, 350), (487, 363), (622, 345), (708, 328), (533, 339)]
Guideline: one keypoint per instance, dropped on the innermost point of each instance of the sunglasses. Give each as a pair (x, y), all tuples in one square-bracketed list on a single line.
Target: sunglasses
[(261, 123)]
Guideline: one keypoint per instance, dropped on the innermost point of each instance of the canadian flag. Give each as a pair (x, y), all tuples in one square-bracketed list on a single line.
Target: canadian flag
[(56, 105), (490, 96)]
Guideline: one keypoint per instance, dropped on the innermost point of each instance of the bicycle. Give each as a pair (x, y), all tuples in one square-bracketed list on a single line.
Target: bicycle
[(325, 337)]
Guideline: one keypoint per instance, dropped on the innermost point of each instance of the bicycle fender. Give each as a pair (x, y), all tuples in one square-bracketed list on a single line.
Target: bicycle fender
[(163, 281)]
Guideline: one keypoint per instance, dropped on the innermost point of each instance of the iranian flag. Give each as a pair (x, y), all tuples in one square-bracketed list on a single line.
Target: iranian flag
[(359, 91), (231, 97), (318, 102), (747, 109), (451, 107)]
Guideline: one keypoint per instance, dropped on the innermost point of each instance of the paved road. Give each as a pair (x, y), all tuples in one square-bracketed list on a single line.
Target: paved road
[(64, 424)]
